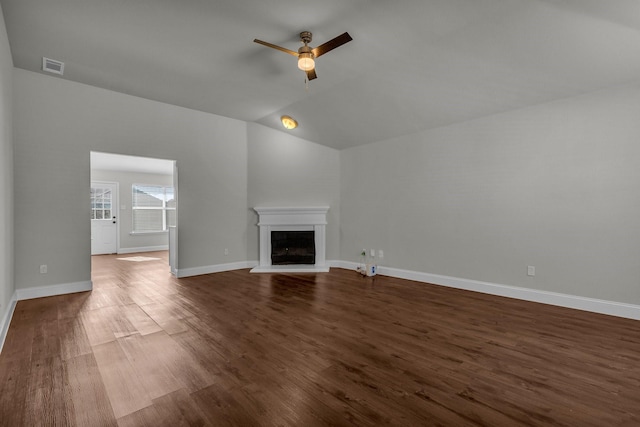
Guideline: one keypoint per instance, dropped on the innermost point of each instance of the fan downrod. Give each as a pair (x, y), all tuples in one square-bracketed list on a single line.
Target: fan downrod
[(306, 37)]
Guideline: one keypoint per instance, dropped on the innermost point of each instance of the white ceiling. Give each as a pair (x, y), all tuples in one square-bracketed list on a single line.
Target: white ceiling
[(413, 64), (122, 163)]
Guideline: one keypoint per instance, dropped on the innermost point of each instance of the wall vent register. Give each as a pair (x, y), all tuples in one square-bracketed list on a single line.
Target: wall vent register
[(52, 66)]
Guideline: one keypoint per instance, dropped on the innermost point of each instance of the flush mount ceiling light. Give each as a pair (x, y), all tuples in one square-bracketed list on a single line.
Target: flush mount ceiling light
[(288, 122)]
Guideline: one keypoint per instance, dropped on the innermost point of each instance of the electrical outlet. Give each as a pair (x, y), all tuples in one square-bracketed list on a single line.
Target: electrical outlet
[(531, 270), (380, 254), (372, 253), (43, 269), (226, 251)]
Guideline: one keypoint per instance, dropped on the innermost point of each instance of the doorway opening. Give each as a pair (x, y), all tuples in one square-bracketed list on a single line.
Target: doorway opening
[(134, 206)]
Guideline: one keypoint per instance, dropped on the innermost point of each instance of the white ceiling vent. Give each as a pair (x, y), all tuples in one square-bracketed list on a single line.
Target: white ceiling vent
[(52, 66)]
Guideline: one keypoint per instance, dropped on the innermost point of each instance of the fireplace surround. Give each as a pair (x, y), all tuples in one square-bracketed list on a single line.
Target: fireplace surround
[(292, 219)]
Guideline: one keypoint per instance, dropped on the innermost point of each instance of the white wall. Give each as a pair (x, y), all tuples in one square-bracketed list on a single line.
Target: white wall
[(288, 171), (6, 179), (555, 186), (56, 125), (128, 242)]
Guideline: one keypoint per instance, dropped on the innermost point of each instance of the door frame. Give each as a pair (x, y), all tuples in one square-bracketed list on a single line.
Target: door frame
[(114, 209), (173, 231)]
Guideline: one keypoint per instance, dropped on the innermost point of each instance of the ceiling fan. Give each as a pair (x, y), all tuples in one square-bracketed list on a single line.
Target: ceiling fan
[(306, 54)]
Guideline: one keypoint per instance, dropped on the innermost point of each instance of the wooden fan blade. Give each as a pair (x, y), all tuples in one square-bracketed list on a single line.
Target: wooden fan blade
[(281, 49), (311, 74), (331, 44)]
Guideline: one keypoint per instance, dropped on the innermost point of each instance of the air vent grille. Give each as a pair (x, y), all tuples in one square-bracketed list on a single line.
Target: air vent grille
[(52, 66)]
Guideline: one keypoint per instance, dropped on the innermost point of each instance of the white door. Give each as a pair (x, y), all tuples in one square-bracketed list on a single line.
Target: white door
[(104, 228)]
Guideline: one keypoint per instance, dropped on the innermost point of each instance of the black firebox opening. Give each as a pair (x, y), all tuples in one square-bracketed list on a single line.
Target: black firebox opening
[(293, 247)]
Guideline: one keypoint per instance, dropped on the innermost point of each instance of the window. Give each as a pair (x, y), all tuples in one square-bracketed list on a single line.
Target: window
[(101, 202), (154, 208)]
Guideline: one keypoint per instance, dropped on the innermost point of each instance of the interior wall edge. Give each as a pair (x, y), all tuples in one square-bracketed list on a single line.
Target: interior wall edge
[(6, 319)]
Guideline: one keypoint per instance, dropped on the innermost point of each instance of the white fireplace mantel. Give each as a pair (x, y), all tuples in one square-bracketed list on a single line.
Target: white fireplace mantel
[(292, 219)]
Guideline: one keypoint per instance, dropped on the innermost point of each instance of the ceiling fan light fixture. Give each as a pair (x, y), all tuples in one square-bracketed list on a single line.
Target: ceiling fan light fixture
[(306, 62), (307, 55), (288, 122)]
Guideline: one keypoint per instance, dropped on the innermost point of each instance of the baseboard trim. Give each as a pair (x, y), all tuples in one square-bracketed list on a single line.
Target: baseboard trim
[(347, 265), (218, 268), (38, 292), (53, 290), (611, 308), (6, 320), (143, 249)]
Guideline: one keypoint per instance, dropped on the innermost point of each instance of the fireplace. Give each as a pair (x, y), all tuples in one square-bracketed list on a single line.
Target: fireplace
[(293, 247), (292, 239)]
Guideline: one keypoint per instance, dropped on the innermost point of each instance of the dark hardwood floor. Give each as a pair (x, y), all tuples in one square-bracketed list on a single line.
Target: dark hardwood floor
[(146, 349)]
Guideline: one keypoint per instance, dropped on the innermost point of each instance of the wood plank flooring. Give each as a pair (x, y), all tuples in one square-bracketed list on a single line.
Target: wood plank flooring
[(240, 349)]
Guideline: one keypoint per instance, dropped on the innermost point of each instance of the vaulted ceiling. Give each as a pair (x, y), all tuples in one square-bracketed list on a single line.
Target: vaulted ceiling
[(412, 64)]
